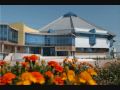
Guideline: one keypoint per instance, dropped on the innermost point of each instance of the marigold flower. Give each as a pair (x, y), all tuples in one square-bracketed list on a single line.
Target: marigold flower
[(24, 64), (26, 82), (82, 80), (2, 62), (85, 75), (39, 77), (27, 58), (49, 74), (71, 75), (53, 63), (28, 76), (91, 71), (64, 76), (33, 57), (92, 82), (7, 78), (58, 81), (59, 68)]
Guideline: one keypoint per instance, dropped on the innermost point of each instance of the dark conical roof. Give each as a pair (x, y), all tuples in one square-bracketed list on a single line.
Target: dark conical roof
[(69, 14)]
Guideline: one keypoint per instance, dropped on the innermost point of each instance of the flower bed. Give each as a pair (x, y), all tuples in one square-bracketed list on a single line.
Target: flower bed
[(33, 71)]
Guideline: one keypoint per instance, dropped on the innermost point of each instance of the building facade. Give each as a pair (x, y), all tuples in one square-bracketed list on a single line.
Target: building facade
[(66, 36)]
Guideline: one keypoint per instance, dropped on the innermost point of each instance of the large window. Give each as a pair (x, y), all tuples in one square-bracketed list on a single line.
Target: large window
[(49, 40), (34, 39), (3, 32), (92, 37), (9, 34), (13, 35)]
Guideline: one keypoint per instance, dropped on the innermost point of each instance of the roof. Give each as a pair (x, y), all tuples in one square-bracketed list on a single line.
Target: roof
[(69, 22)]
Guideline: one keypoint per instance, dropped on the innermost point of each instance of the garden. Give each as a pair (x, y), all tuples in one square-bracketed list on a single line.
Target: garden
[(34, 71)]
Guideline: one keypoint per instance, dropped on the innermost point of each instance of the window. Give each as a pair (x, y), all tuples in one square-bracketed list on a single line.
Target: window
[(92, 37)]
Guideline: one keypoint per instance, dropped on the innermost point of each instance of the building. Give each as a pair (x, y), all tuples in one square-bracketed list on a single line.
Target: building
[(68, 35)]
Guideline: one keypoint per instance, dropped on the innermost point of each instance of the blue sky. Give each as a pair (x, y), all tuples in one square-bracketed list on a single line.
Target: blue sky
[(36, 16)]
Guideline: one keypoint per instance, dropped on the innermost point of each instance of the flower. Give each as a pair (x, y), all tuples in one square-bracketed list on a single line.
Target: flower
[(91, 71), (85, 77), (2, 62), (64, 76), (58, 81), (71, 75), (49, 74), (24, 64), (7, 78), (28, 76), (27, 58), (59, 68), (33, 57), (39, 77), (92, 82), (53, 63), (82, 80)]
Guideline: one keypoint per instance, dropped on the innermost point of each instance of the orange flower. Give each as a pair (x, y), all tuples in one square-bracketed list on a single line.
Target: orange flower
[(59, 68), (85, 75), (92, 82), (58, 81), (64, 76), (71, 75), (53, 63), (2, 62), (33, 58), (24, 64), (27, 58), (39, 77), (49, 74), (91, 71), (8, 77), (27, 76)]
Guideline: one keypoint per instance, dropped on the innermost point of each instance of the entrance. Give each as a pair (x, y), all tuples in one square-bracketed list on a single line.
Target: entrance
[(35, 50), (48, 51), (62, 53)]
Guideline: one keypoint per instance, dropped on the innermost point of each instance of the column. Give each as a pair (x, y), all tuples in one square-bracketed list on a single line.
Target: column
[(2, 48), (15, 49), (41, 51), (27, 49), (55, 53)]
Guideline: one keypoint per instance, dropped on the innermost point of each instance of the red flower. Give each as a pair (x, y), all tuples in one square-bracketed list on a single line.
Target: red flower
[(39, 77), (24, 64), (27, 58), (53, 63), (58, 81), (33, 58), (2, 63), (7, 78), (49, 74), (59, 68)]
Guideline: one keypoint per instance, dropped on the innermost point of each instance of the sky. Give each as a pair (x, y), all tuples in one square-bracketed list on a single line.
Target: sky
[(37, 16)]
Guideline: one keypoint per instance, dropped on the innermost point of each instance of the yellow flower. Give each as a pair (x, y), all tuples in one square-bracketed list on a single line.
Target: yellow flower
[(42, 81), (92, 82), (64, 76), (71, 75), (85, 75), (19, 83), (26, 82), (28, 76), (82, 80), (91, 71)]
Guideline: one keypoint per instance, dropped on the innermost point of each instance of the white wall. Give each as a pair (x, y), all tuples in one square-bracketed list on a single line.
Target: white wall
[(87, 30), (84, 42)]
